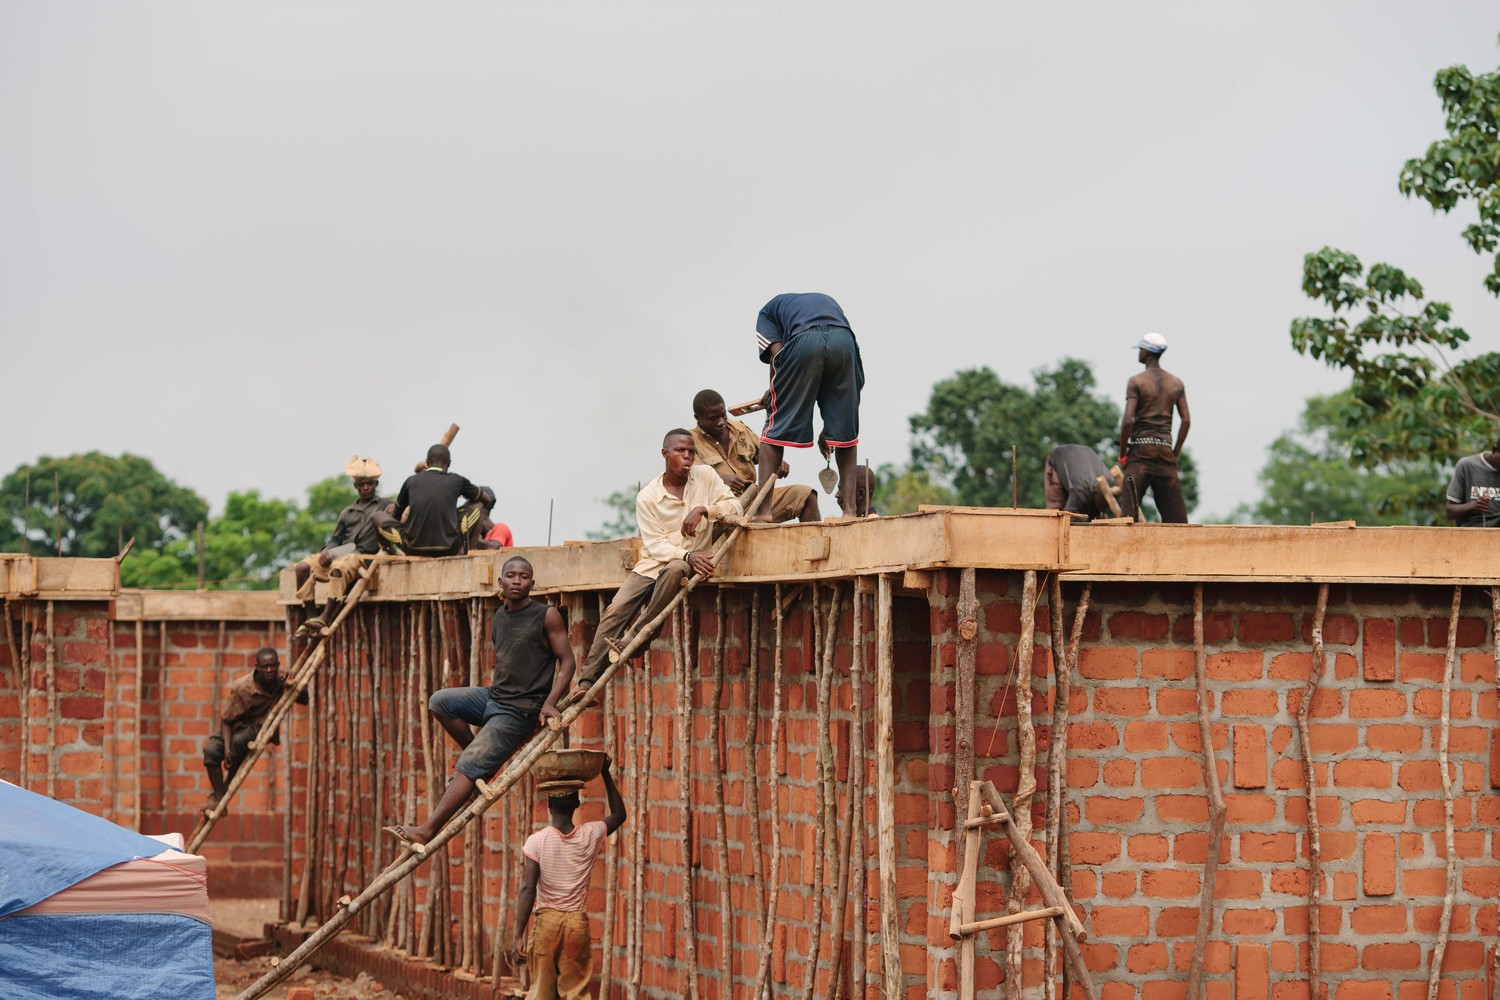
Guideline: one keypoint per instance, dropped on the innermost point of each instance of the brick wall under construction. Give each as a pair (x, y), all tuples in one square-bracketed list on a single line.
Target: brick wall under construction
[(1136, 809), (131, 704)]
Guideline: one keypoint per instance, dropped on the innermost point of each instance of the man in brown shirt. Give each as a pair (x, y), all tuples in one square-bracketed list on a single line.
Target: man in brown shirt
[(1147, 454), (732, 449), (251, 699)]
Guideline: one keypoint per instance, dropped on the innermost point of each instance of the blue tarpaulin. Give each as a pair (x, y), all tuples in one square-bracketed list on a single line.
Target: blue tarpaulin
[(148, 951), (46, 846)]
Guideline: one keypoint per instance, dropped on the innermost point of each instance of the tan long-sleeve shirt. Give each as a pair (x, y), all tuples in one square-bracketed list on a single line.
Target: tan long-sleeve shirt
[(659, 516)]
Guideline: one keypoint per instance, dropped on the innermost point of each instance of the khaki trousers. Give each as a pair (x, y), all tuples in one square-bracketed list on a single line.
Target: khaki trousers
[(559, 955), (636, 591)]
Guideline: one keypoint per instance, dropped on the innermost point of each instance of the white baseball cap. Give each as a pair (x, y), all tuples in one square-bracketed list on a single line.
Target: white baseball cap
[(1153, 342)]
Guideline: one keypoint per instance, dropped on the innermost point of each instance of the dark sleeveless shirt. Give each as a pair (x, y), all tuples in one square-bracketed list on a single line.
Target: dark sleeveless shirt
[(524, 662)]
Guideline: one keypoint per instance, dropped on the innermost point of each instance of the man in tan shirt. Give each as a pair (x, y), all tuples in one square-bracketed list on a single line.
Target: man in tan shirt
[(1147, 454), (733, 449), (669, 511)]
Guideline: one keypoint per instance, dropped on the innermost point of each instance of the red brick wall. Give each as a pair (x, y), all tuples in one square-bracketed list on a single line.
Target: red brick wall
[(89, 756), (1135, 801), (185, 673), (65, 759), (1138, 806)]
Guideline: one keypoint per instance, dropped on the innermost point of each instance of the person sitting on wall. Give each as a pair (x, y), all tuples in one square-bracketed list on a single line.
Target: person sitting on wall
[(250, 700), (487, 533), (1474, 489), (533, 665), (340, 560), (669, 512), (426, 520), (732, 450), (555, 889)]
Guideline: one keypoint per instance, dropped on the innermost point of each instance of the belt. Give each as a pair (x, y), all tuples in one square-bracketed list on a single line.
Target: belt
[(1147, 440)]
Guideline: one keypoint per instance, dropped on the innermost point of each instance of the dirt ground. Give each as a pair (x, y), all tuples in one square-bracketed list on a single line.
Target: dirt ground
[(246, 918)]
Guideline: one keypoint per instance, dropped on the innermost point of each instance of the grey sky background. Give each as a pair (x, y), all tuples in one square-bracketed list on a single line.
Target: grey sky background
[(249, 240)]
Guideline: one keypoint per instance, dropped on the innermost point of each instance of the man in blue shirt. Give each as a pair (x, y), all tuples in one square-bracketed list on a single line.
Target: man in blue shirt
[(814, 359)]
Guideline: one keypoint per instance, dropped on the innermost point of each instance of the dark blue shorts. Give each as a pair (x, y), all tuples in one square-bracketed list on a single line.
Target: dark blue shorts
[(821, 366), (502, 727)]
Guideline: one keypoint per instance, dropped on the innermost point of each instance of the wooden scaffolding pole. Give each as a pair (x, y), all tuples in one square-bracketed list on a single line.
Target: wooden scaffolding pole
[(1314, 825), (514, 769), (885, 790), (1020, 881), (963, 756), (1450, 853), (1216, 806)]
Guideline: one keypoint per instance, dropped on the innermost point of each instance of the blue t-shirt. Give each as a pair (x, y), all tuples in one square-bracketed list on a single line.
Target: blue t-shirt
[(790, 313)]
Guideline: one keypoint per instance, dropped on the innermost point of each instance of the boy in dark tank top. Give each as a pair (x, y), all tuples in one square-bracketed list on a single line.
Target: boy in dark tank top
[(534, 665)]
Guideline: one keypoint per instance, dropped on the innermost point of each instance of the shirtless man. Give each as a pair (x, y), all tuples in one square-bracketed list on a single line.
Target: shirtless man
[(1147, 454)]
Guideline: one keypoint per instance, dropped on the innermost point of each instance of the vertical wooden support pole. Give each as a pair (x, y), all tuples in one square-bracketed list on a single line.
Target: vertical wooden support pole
[(964, 892), (1056, 754), (285, 912), (1020, 878), (110, 741), (768, 937), (885, 787), (1435, 975), (752, 765), (643, 784), (721, 819), (684, 720), (1314, 825), (857, 786), (1495, 652), (140, 683), (1064, 695), (853, 806), (823, 823), (963, 701), (611, 852), (23, 691), (1216, 807), (161, 714), (964, 765), (52, 758)]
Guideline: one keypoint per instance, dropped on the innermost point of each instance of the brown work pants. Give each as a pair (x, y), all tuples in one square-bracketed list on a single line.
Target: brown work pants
[(559, 955), (1154, 467), (339, 576), (636, 591)]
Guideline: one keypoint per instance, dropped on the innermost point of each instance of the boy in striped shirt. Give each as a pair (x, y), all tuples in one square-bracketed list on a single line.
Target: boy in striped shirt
[(559, 860)]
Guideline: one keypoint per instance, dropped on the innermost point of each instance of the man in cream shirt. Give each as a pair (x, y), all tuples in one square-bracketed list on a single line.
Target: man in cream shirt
[(669, 511)]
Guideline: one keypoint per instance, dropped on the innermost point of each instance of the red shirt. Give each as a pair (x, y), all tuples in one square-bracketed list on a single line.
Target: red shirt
[(500, 533)]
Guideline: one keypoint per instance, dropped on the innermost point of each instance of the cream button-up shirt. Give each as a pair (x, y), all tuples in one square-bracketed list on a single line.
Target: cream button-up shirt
[(659, 516)]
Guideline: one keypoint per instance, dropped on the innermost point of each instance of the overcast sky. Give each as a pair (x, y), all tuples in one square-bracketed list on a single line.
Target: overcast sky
[(248, 240)]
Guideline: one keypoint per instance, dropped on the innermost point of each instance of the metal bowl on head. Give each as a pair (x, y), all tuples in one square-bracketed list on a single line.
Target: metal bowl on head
[(568, 765)]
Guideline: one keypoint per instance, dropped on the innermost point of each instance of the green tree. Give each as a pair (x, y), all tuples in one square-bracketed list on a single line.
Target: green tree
[(1310, 475), (621, 504), (901, 490), (963, 440), (247, 545), (103, 500), (1412, 392)]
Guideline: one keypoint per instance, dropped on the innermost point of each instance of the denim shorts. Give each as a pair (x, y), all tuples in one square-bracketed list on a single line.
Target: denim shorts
[(502, 728)]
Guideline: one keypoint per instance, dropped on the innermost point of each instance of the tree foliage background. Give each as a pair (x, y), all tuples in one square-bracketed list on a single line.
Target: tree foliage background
[(105, 500), (1416, 400), (961, 444)]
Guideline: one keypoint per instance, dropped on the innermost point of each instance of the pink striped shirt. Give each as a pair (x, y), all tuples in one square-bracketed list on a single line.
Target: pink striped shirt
[(567, 861)]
